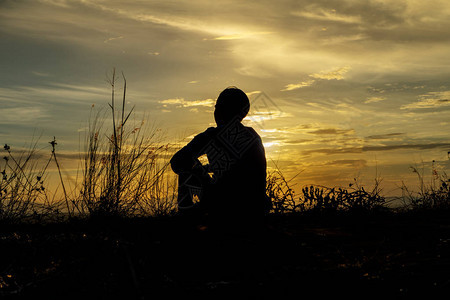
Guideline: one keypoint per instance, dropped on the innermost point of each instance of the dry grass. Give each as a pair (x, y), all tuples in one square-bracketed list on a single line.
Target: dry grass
[(22, 185), (124, 172), (124, 169), (434, 194)]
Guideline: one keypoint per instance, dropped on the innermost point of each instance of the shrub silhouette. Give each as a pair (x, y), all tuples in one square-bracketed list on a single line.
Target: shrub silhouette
[(280, 192), (434, 195), (321, 199), (324, 199)]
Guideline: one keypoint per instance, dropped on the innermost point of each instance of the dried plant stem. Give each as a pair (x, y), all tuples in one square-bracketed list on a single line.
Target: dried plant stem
[(53, 143)]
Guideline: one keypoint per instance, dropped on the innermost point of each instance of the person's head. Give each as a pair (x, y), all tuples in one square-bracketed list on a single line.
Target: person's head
[(232, 103)]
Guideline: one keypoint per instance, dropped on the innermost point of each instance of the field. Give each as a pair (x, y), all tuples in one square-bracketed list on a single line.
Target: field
[(385, 254)]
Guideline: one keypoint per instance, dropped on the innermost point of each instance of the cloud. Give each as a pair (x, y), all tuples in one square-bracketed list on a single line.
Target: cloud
[(321, 14), (21, 115), (259, 117), (270, 144), (330, 151), (430, 100), (239, 36), (407, 146), (253, 71), (354, 163), (314, 128), (294, 86), (385, 136), (374, 99), (181, 102), (40, 74), (297, 141), (332, 131), (83, 129), (52, 92), (336, 74), (112, 39), (178, 22), (249, 94), (343, 39), (348, 150)]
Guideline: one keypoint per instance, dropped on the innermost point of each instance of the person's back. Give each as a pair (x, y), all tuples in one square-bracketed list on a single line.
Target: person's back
[(234, 180)]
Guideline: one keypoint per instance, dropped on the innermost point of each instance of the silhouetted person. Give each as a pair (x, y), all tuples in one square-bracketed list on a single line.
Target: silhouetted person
[(231, 186)]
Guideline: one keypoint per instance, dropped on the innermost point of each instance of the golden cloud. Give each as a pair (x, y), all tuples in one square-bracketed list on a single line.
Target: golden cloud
[(186, 103), (430, 100), (318, 13), (337, 74), (294, 86), (374, 99)]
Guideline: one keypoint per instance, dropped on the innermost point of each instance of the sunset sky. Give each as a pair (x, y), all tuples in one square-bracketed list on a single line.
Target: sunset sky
[(339, 89)]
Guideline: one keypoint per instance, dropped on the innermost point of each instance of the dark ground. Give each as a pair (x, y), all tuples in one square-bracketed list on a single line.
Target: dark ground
[(393, 255)]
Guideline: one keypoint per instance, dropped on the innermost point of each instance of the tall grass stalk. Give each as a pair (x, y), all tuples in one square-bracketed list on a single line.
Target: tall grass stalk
[(53, 143), (122, 168)]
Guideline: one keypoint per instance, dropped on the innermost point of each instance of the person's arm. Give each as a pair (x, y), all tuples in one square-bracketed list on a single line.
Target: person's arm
[(186, 158)]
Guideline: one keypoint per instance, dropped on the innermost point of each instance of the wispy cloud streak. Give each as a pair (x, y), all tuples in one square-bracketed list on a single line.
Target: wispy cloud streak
[(430, 100), (181, 102)]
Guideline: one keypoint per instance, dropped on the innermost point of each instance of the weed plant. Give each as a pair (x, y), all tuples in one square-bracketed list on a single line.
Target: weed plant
[(22, 191), (432, 195), (354, 199)]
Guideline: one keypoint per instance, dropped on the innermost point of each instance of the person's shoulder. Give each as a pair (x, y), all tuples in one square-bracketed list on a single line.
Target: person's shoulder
[(252, 131), (249, 128), (209, 132)]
